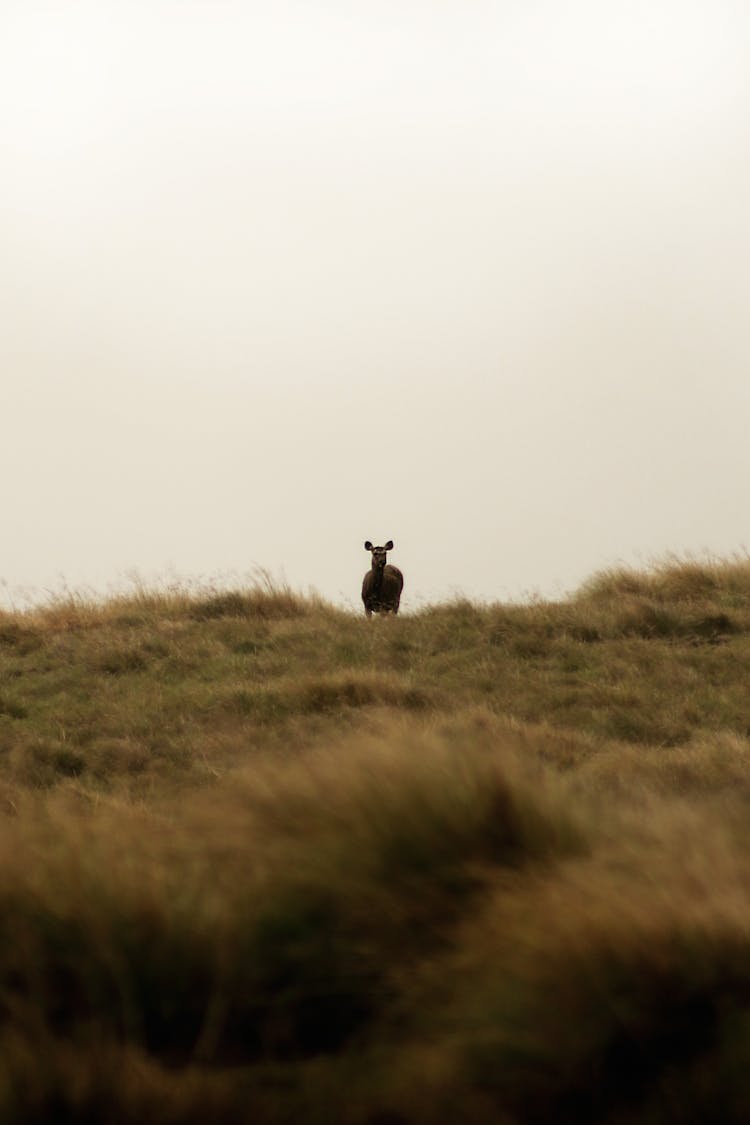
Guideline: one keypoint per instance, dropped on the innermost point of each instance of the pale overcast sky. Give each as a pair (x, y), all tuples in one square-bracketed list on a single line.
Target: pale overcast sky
[(280, 277)]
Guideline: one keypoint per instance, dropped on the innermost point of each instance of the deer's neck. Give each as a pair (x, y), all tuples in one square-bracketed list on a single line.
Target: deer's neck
[(377, 579)]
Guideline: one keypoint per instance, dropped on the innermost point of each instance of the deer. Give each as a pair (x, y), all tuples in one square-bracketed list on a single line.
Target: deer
[(383, 583)]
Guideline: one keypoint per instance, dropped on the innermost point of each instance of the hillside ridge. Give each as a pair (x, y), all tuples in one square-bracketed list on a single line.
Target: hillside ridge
[(263, 859)]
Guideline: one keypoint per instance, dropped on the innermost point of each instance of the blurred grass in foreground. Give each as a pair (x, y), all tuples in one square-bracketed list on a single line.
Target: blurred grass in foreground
[(262, 860)]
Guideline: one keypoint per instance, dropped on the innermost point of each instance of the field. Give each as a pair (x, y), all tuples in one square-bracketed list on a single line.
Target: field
[(264, 861)]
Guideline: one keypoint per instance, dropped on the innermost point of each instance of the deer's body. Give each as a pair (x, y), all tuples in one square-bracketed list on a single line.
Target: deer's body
[(383, 583)]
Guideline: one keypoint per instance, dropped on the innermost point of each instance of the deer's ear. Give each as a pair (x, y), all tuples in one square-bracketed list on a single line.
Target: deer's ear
[(368, 545), (389, 545)]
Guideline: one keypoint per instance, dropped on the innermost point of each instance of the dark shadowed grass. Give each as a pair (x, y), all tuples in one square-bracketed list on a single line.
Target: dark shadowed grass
[(441, 913), (629, 1003), (285, 935)]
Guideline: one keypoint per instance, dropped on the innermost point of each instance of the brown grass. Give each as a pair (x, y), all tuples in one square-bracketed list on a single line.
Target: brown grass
[(263, 860)]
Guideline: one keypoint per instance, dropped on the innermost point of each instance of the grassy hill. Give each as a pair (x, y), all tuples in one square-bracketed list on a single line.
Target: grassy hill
[(262, 860)]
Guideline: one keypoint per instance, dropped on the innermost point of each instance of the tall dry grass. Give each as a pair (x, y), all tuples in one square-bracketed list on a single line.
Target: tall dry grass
[(263, 860)]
